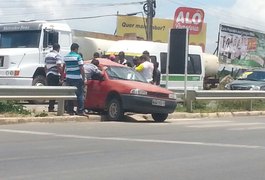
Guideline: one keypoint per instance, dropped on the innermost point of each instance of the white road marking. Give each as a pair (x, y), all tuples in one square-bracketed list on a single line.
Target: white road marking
[(26, 132), (200, 122), (247, 128), (134, 140), (185, 119), (225, 125), (47, 156), (189, 122)]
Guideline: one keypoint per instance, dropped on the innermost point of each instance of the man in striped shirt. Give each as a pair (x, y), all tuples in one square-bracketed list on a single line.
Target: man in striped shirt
[(75, 76), (53, 67)]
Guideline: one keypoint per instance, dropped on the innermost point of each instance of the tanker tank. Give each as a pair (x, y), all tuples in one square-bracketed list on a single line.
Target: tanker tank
[(211, 63)]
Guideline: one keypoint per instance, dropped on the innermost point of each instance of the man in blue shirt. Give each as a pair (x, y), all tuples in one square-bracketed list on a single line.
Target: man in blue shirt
[(75, 76)]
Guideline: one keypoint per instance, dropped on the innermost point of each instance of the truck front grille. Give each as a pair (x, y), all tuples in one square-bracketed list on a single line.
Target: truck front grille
[(158, 95), (240, 87), (1, 61)]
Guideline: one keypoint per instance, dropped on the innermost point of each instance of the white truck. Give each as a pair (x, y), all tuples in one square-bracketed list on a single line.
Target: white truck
[(201, 66), (24, 45)]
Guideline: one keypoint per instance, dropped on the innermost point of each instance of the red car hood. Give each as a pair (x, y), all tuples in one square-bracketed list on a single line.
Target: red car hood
[(128, 85)]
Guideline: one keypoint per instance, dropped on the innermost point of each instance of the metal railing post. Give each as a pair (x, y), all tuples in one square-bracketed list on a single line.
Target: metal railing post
[(250, 105), (60, 110), (190, 96), (189, 105)]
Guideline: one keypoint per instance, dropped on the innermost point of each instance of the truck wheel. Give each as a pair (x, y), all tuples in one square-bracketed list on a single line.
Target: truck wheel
[(114, 110), (159, 117), (38, 81)]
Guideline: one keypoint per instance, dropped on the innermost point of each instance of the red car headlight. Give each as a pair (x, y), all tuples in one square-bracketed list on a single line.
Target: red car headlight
[(172, 96), (138, 92)]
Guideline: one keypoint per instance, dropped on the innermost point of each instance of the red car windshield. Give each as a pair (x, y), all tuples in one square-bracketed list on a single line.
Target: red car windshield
[(124, 73)]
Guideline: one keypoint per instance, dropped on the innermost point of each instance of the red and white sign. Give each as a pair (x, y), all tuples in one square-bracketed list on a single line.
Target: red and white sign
[(190, 18)]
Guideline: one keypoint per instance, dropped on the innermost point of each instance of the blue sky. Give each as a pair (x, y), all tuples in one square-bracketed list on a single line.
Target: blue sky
[(244, 13)]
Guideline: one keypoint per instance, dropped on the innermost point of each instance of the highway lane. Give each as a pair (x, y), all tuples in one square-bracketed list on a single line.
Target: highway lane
[(190, 149)]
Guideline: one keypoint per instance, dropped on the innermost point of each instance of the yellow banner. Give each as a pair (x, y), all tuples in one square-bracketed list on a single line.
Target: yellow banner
[(135, 26)]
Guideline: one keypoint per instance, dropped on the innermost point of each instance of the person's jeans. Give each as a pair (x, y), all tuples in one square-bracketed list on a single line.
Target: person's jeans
[(52, 80), (79, 84)]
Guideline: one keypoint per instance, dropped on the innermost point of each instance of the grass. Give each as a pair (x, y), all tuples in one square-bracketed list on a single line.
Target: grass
[(11, 107), (14, 109), (224, 106)]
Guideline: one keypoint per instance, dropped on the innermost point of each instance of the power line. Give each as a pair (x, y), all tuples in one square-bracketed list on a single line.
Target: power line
[(86, 17), (9, 11), (88, 4), (74, 18)]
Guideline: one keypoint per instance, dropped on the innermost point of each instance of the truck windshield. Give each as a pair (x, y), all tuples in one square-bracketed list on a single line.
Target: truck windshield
[(20, 39)]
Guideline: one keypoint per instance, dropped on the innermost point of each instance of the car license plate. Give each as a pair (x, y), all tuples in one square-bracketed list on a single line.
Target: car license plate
[(158, 102)]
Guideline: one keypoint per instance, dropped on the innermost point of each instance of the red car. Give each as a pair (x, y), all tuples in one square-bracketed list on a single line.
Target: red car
[(122, 89)]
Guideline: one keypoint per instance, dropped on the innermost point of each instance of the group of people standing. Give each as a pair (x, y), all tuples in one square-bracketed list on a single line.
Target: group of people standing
[(142, 64), (72, 70)]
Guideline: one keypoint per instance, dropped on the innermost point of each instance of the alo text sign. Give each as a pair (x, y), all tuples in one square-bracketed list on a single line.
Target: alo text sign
[(190, 18)]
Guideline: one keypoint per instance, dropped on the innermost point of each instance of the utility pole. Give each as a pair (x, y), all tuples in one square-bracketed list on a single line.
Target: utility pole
[(149, 10)]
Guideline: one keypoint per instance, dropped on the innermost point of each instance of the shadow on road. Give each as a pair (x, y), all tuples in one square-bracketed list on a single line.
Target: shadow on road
[(131, 118)]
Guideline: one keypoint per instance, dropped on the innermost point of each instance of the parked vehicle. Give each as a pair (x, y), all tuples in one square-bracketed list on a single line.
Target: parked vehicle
[(122, 89), (24, 45), (249, 80)]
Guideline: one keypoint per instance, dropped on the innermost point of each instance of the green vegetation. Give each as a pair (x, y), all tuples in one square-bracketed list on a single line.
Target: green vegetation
[(12, 107), (224, 106), (42, 114)]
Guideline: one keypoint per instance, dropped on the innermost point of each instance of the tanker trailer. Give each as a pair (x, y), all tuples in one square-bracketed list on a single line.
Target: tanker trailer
[(90, 45), (211, 63)]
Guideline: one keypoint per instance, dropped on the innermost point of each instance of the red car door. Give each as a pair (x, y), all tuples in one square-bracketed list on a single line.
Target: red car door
[(96, 94)]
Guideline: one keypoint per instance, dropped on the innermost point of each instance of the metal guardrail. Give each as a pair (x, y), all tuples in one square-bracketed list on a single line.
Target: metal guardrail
[(193, 95), (58, 93)]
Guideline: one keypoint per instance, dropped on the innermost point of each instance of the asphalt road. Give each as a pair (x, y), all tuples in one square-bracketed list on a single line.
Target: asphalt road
[(185, 149)]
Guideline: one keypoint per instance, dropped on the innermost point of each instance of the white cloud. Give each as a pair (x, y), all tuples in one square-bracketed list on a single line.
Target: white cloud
[(57, 9), (52, 9), (250, 13), (254, 7)]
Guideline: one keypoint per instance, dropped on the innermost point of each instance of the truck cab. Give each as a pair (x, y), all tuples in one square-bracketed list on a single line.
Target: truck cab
[(23, 47)]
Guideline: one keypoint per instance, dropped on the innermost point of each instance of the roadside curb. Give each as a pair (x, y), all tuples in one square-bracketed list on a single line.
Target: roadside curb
[(48, 119), (131, 117), (216, 114)]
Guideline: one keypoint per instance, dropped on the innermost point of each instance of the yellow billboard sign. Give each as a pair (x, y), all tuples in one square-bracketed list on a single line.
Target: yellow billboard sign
[(137, 26)]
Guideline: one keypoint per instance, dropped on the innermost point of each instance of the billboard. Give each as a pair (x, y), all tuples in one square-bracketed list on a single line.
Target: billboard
[(241, 46), (161, 27), (190, 18)]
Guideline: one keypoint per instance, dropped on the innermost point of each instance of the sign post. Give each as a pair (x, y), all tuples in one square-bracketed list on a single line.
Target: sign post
[(186, 63), (191, 21), (178, 49)]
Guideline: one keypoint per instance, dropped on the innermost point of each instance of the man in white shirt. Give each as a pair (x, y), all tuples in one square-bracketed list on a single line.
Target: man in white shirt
[(53, 67), (146, 68)]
